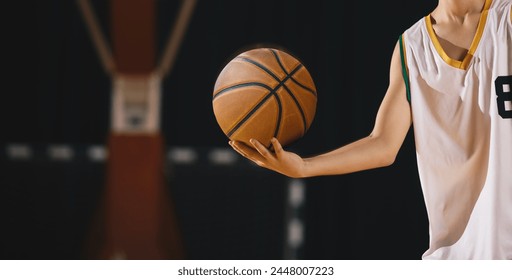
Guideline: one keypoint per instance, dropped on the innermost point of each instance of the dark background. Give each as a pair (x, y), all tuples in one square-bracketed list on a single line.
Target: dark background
[(59, 94)]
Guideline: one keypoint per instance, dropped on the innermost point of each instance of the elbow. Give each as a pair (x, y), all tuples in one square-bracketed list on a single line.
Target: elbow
[(388, 159), (386, 154)]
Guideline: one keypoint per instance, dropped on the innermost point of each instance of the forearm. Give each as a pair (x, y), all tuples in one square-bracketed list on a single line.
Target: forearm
[(367, 153), (382, 145)]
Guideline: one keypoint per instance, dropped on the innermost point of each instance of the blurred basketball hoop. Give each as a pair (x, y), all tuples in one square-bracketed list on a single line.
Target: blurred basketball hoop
[(137, 218)]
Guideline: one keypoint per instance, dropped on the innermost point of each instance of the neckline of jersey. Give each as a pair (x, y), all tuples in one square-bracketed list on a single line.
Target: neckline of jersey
[(464, 63)]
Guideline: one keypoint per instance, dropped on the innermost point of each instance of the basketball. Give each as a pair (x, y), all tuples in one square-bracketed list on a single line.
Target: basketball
[(264, 93)]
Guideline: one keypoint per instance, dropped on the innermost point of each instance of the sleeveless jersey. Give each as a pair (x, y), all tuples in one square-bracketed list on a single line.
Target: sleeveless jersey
[(462, 121)]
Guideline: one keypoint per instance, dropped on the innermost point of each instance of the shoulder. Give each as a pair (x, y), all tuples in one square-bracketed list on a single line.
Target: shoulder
[(501, 11), (416, 26), (500, 6), (414, 32)]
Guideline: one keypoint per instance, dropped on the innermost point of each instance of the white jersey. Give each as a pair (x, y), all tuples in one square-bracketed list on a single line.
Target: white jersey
[(462, 121)]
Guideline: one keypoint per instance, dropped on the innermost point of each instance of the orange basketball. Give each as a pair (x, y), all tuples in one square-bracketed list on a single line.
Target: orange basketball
[(264, 93)]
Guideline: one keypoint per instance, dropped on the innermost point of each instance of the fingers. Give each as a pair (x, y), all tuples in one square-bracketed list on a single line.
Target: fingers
[(257, 153), (260, 148), (236, 148), (278, 149), (246, 151)]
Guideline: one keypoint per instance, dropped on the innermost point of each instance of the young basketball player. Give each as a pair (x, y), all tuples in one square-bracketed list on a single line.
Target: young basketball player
[(450, 76)]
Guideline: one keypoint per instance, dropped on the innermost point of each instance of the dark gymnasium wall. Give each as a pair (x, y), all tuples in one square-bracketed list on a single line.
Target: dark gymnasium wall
[(60, 95)]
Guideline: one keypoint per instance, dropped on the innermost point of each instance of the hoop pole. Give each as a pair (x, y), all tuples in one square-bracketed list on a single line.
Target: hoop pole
[(174, 41), (97, 36)]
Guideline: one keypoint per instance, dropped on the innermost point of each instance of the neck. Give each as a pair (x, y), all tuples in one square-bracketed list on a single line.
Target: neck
[(458, 9)]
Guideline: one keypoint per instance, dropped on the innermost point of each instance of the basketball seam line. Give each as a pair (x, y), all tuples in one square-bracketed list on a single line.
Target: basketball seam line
[(279, 112), (260, 103), (284, 69), (262, 67), (304, 122), (271, 93), (294, 98), (239, 86), (304, 87), (278, 100)]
